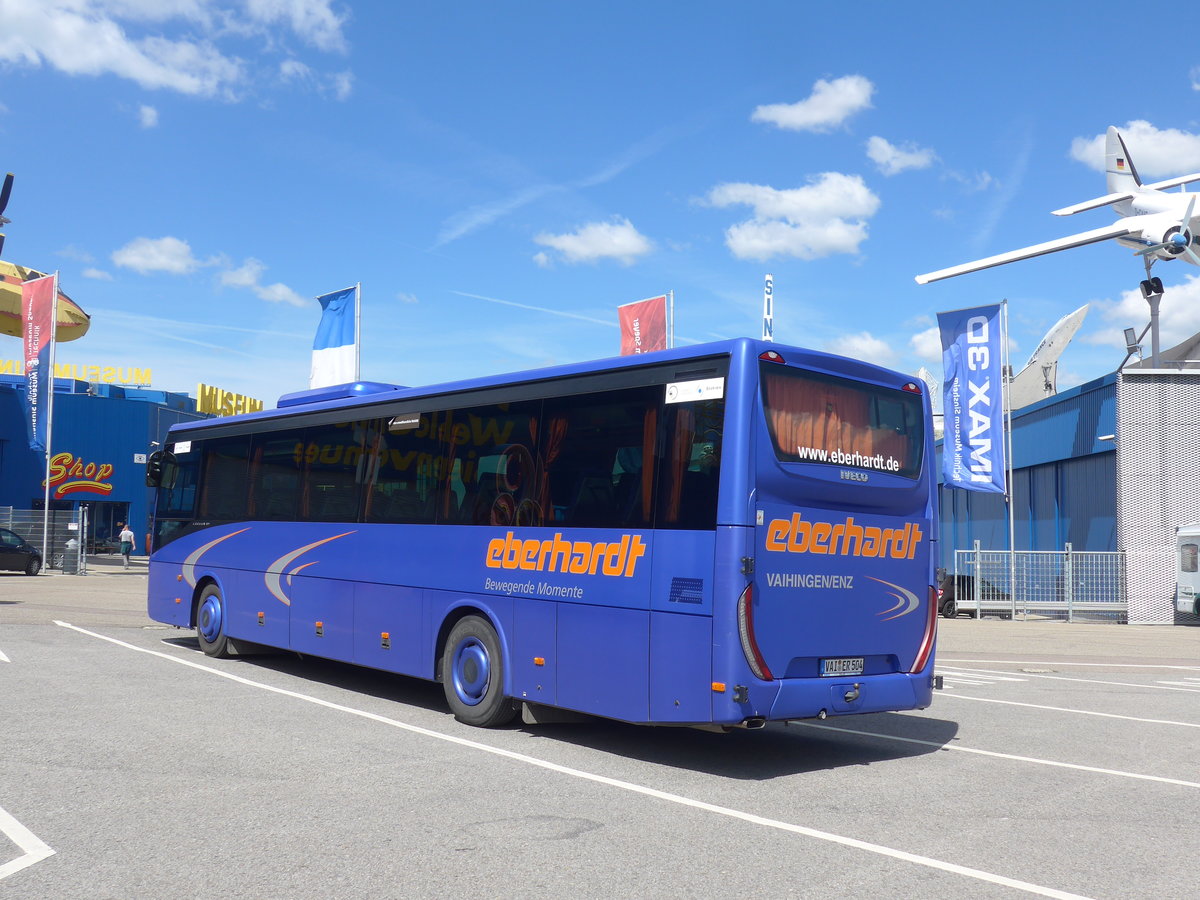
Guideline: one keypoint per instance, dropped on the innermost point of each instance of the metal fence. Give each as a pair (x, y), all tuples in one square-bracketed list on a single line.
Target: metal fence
[(1062, 585), (66, 548)]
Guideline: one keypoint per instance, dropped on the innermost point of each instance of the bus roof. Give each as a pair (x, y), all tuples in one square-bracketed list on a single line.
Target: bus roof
[(367, 393)]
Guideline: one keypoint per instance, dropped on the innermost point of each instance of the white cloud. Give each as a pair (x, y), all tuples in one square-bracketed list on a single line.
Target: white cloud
[(829, 105), (1179, 316), (312, 20), (342, 84), (927, 344), (825, 217), (145, 255), (294, 70), (863, 345), (147, 116), (407, 298), (595, 241), (1157, 153), (893, 160), (249, 276), (76, 253), (162, 44), (97, 274), (246, 276)]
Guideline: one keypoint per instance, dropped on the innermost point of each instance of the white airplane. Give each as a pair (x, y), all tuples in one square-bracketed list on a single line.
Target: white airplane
[(1155, 224), (1039, 379)]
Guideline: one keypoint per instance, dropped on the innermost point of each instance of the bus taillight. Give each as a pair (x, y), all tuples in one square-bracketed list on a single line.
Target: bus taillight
[(930, 633), (745, 618)]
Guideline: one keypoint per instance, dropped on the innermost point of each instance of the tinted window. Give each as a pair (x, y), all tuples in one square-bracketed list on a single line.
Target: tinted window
[(837, 421), (276, 464), (224, 481), (594, 451), (404, 470), (179, 501), (489, 456), (334, 470), (690, 465)]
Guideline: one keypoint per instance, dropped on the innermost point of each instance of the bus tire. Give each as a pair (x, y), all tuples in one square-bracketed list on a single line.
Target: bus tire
[(210, 623), (473, 674)]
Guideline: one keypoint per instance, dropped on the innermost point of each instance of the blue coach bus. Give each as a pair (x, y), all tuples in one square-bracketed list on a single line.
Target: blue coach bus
[(722, 536)]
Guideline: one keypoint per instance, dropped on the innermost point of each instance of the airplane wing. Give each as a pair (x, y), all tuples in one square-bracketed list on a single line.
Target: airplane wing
[(1116, 230), (1106, 200), (1173, 182)]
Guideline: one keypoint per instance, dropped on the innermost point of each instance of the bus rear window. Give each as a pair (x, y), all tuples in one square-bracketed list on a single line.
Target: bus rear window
[(837, 421)]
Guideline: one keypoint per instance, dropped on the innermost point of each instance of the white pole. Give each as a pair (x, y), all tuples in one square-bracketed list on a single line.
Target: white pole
[(671, 319), (357, 330), (1005, 365), (769, 309), (46, 555)]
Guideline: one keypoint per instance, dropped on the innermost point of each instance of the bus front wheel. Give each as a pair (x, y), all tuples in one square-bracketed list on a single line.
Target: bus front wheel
[(210, 623), (473, 674)]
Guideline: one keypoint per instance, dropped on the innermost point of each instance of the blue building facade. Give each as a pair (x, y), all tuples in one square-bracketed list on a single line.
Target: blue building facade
[(101, 435), (1064, 486)]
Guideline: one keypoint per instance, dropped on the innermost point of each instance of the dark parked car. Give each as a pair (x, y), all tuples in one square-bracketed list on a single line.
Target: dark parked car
[(956, 589), (17, 554)]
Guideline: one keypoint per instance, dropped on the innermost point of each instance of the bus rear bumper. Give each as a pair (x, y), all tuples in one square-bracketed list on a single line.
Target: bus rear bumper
[(810, 698)]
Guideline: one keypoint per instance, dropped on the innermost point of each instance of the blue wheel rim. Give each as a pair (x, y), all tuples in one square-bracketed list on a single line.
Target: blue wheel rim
[(208, 619), (471, 671)]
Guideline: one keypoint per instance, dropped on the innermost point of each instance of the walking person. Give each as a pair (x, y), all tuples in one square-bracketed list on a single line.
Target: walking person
[(127, 543)]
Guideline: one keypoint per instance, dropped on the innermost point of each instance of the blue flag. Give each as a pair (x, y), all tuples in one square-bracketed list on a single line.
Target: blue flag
[(335, 348), (973, 442)]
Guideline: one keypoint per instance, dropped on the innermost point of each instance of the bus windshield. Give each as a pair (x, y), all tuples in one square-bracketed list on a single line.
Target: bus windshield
[(813, 417)]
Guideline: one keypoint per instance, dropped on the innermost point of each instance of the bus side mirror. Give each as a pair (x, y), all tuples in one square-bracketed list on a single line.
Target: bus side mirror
[(161, 469)]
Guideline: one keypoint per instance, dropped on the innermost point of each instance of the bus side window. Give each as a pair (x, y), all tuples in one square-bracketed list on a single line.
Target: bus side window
[(276, 463), (1188, 557), (224, 484), (399, 462), (332, 458), (592, 457), (690, 468)]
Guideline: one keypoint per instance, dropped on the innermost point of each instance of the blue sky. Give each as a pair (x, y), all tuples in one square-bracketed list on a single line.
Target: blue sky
[(500, 177)]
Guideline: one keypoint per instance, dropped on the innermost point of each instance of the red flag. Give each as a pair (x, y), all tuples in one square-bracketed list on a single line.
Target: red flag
[(643, 325), (37, 316)]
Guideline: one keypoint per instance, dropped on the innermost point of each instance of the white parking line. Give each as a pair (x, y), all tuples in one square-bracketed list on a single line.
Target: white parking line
[(1190, 690), (4, 658), (1187, 684), (1094, 665), (993, 753), (751, 818), (1080, 712), (33, 848)]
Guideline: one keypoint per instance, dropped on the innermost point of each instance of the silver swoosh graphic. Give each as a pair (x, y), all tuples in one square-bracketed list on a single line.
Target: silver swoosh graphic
[(275, 570), (189, 564), (904, 597)]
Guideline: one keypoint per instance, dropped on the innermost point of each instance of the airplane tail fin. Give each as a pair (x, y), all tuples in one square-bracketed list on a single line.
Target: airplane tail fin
[(1119, 168)]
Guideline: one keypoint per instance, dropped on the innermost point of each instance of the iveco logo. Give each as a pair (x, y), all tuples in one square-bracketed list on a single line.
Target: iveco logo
[(850, 475)]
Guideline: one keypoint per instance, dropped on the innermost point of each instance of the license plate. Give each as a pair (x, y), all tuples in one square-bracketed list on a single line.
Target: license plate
[(842, 665)]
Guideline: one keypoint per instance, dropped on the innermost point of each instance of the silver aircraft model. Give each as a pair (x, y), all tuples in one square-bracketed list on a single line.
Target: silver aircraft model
[(1155, 224)]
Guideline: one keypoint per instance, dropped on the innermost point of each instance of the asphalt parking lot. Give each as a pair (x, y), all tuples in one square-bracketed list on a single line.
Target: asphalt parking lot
[(1060, 760)]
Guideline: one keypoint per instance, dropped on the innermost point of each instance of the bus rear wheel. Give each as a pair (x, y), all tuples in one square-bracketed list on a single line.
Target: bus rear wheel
[(473, 674), (210, 623)]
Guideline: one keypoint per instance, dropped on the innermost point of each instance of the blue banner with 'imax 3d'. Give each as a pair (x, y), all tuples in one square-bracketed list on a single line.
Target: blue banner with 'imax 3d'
[(973, 445)]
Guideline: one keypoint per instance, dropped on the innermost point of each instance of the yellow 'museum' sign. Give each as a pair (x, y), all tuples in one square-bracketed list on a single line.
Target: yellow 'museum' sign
[(100, 374), (224, 403)]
